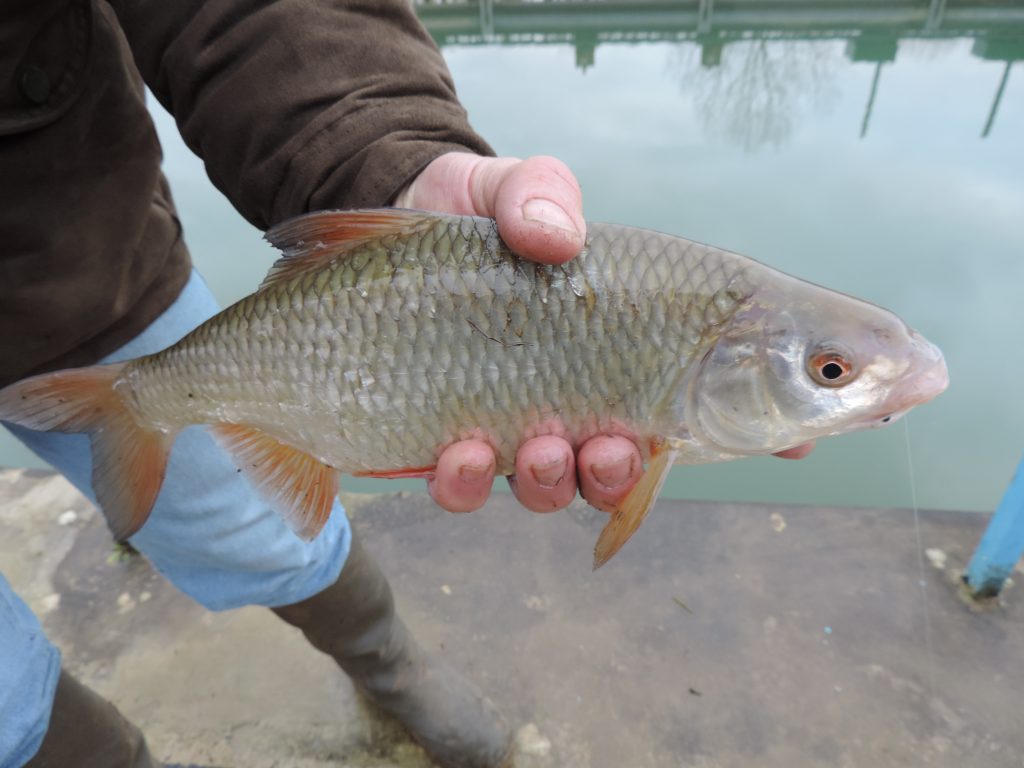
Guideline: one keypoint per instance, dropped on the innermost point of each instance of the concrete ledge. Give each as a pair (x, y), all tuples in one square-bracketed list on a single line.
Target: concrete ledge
[(722, 635)]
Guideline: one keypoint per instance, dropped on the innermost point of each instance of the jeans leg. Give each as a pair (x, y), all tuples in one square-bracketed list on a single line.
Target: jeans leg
[(29, 670)]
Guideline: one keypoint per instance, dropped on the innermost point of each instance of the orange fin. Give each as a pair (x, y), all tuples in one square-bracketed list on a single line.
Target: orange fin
[(129, 460), (310, 240), (634, 508), (398, 474), (302, 487)]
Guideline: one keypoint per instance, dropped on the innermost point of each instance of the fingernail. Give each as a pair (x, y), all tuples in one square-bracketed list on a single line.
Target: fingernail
[(549, 475), (471, 474), (547, 212), (614, 474)]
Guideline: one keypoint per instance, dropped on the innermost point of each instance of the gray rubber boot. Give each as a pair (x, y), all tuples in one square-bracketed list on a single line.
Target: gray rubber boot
[(87, 731), (354, 622)]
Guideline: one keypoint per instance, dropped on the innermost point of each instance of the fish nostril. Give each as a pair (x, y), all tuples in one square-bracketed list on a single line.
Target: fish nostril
[(886, 419)]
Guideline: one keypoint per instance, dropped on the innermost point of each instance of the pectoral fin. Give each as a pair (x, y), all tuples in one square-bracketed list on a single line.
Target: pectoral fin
[(299, 486), (634, 508)]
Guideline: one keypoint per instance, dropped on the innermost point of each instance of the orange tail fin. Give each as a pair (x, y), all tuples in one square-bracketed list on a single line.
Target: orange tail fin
[(128, 459)]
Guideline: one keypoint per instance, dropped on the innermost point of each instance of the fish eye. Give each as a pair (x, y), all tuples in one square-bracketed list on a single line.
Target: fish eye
[(830, 367)]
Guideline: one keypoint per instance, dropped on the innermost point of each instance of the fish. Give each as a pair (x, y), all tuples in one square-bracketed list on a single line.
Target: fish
[(382, 336)]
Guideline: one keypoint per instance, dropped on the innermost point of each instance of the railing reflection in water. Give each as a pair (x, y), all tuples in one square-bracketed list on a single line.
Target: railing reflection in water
[(872, 30)]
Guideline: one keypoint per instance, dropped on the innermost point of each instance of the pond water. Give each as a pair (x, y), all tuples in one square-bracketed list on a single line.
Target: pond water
[(874, 149)]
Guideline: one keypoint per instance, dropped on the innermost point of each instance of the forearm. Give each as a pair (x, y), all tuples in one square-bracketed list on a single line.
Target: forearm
[(298, 105)]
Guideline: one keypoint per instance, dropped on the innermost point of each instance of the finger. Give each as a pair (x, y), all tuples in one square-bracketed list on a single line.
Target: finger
[(539, 208), (464, 475), (608, 467), (545, 478), (799, 452)]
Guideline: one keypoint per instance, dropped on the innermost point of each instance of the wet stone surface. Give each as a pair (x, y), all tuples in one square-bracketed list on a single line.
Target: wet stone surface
[(722, 635)]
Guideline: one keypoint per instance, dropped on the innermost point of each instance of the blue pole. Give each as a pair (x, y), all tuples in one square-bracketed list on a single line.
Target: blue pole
[(1002, 544)]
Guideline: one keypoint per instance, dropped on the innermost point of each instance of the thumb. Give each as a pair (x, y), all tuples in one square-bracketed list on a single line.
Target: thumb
[(537, 202)]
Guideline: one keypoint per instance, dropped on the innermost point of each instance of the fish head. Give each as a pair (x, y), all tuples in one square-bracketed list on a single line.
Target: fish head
[(799, 362)]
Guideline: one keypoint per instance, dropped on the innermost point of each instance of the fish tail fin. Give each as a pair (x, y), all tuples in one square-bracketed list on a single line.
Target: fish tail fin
[(129, 459)]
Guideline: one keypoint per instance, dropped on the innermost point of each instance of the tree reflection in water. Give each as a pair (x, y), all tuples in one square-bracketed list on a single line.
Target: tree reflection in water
[(754, 92)]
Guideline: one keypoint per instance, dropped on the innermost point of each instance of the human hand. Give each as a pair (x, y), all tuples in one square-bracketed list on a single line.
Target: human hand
[(539, 209), (799, 452)]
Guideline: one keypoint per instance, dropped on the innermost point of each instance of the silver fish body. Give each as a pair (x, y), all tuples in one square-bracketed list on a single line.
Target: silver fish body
[(409, 343), (384, 336)]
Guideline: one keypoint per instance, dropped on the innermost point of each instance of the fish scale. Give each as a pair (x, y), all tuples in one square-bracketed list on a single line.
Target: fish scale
[(565, 352), (563, 359), (598, 330)]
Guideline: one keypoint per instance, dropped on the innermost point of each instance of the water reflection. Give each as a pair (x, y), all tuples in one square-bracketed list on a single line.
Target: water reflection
[(738, 125), (871, 147), (753, 92), (755, 69)]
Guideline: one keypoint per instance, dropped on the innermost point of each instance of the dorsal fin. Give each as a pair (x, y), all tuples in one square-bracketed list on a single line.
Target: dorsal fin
[(307, 241)]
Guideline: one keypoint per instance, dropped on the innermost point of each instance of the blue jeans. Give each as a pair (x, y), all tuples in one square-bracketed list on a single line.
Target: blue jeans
[(210, 534)]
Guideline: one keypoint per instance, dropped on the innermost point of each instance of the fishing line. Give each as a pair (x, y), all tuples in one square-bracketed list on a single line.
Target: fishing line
[(922, 569)]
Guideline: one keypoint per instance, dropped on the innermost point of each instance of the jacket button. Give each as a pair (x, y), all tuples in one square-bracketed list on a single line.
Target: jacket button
[(35, 84)]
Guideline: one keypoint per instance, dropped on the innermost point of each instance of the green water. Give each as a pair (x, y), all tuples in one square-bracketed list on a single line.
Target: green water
[(878, 156)]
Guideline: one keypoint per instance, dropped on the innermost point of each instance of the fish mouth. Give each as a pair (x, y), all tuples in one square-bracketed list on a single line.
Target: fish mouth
[(929, 378)]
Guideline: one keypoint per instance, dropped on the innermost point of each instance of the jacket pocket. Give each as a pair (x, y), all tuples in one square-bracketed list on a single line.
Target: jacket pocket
[(45, 51)]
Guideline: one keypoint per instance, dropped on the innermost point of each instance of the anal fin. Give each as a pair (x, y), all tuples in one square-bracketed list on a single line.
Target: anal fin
[(405, 473), (300, 487), (632, 510)]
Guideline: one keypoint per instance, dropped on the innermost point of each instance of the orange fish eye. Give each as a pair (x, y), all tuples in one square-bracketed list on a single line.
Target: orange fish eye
[(830, 368)]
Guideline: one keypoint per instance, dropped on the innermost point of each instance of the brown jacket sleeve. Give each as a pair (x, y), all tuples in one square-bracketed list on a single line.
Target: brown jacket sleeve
[(297, 105)]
